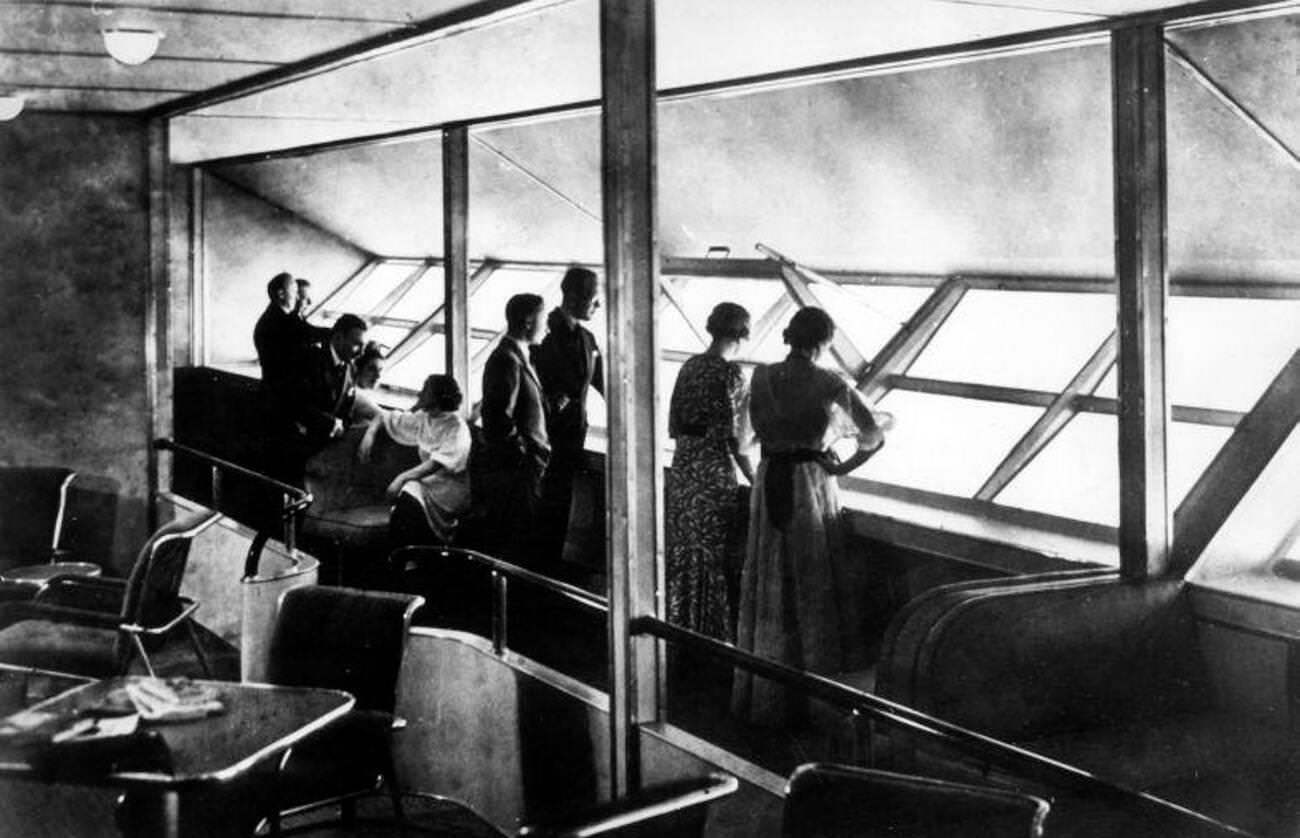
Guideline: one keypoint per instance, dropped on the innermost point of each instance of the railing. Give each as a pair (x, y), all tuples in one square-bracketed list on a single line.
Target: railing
[(294, 500), (864, 709)]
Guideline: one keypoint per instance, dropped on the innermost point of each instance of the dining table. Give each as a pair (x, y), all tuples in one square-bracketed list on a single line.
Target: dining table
[(200, 777)]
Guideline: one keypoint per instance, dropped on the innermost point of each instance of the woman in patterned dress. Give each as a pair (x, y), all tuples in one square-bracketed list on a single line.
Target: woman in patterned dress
[(707, 418), (795, 607)]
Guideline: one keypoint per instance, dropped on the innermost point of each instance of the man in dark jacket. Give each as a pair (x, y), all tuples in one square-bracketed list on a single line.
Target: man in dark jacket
[(324, 383), (569, 365), (278, 335), (516, 445)]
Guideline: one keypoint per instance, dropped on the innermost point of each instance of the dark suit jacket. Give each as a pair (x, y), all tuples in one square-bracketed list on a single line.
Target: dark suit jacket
[(280, 337), (568, 364), (513, 411), (320, 392)]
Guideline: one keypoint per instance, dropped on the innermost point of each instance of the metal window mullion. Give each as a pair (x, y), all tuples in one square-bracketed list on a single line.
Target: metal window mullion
[(199, 354), (907, 344), (455, 251), (1053, 420), (1138, 93), (771, 318), (158, 357)]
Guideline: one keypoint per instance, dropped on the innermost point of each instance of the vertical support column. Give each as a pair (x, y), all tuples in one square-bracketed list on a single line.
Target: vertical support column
[(455, 252), (1138, 79), (198, 268), (157, 340), (634, 469)]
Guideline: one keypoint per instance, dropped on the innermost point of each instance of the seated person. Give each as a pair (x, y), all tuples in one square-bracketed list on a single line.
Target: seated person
[(369, 365), (431, 495)]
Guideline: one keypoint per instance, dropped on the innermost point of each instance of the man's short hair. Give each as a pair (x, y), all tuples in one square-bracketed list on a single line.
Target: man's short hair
[(348, 322), (579, 282), (277, 281), (519, 307)]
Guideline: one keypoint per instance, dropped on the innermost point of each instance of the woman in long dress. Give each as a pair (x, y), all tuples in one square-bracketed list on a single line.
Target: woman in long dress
[(794, 607), (707, 417), (435, 492)]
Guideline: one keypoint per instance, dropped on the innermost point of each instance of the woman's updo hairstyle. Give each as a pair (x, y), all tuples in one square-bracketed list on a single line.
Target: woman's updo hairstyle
[(442, 392), (728, 321), (809, 328)]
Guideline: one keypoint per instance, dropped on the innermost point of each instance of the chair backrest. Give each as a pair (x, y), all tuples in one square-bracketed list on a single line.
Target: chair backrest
[(342, 638), (32, 502), (674, 809), (839, 801), (153, 587)]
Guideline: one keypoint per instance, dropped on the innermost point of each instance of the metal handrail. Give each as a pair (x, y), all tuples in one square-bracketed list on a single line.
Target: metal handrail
[(853, 702), (295, 500), (985, 748)]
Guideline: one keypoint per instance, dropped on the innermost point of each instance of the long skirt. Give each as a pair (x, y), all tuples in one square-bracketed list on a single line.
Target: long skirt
[(795, 608), (701, 556)]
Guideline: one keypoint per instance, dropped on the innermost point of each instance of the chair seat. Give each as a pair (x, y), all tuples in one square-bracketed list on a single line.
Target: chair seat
[(313, 771), (353, 525), (63, 647), (39, 574)]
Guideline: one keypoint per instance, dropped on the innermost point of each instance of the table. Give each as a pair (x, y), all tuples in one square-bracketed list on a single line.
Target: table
[(200, 793)]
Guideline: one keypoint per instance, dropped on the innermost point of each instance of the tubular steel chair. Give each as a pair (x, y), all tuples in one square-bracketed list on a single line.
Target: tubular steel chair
[(93, 626), (840, 801), (33, 502), (345, 639), (673, 809)]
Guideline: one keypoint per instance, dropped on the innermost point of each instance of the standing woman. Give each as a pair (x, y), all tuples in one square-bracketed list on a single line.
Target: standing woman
[(706, 416), (794, 607)]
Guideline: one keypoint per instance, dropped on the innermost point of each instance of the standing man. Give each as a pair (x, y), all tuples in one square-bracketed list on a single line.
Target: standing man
[(568, 364), (278, 334), (302, 309), (324, 385), (516, 445)]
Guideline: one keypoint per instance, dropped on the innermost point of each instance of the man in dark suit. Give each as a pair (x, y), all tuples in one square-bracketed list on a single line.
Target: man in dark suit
[(569, 365), (323, 386), (278, 335), (516, 447)]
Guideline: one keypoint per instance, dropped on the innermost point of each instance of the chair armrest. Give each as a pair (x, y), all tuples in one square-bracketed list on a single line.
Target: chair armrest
[(664, 801), (188, 607), (17, 612), (90, 593), (16, 592)]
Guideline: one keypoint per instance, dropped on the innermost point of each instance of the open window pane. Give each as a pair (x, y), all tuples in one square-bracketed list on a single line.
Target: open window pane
[(870, 314), (945, 444), (1076, 475), (1030, 339)]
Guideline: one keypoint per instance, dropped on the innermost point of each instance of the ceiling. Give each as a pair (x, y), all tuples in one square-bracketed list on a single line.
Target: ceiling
[(535, 53)]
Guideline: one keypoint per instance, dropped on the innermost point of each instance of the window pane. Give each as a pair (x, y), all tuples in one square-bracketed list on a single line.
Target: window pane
[(945, 444), (674, 332), (870, 314), (1035, 340), (363, 296), (1191, 447), (429, 358), (1223, 353), (1076, 475), (422, 298), (487, 307)]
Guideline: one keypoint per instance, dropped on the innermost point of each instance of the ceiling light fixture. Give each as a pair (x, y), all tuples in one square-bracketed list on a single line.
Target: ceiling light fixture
[(10, 107), (131, 46)]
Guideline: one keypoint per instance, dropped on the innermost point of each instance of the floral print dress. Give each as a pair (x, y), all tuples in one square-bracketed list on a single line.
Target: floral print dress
[(707, 411)]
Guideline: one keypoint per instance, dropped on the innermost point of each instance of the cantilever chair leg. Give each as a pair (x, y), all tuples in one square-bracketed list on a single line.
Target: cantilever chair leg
[(144, 656), (198, 648)]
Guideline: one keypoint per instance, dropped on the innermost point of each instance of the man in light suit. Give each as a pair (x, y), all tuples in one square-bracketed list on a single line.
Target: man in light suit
[(516, 446)]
